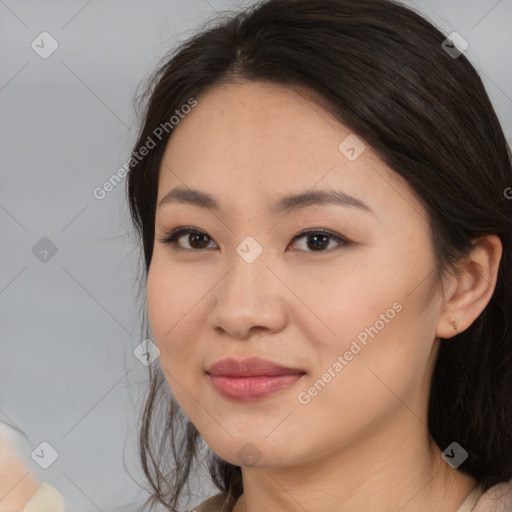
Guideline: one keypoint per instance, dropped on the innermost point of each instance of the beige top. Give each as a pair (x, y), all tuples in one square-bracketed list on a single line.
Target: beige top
[(496, 499), (469, 503)]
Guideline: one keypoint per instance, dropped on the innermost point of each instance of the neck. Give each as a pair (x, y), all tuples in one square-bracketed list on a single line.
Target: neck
[(398, 472)]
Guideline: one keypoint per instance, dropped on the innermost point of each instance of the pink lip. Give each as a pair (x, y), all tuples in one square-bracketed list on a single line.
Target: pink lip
[(251, 379)]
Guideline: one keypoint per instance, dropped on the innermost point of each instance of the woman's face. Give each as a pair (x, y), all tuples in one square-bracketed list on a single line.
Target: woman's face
[(356, 314)]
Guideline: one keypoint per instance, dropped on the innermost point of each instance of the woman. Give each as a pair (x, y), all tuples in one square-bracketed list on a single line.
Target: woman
[(320, 191)]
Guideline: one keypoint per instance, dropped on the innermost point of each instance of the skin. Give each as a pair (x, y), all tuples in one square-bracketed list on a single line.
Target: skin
[(362, 443)]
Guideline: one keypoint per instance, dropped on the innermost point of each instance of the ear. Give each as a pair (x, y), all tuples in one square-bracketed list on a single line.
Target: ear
[(471, 289)]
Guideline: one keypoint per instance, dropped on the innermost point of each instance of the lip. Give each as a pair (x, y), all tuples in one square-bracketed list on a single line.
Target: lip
[(251, 367), (251, 379)]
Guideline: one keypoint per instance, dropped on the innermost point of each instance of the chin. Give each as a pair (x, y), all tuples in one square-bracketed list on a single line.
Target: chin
[(250, 451)]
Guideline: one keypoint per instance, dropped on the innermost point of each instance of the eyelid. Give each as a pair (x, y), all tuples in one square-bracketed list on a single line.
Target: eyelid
[(180, 231)]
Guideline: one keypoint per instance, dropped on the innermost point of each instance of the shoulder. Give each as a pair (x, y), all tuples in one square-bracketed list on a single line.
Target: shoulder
[(496, 499), (216, 503)]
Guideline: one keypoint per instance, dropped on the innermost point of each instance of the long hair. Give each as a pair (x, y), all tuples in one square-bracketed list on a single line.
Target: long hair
[(385, 73)]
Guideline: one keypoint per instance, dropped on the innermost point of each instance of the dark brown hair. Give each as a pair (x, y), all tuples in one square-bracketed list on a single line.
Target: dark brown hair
[(381, 69)]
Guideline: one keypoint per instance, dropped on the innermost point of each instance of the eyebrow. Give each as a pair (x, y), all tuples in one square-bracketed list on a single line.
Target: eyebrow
[(285, 204)]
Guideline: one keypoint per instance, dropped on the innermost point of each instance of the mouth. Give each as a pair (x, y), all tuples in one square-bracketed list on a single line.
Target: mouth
[(251, 379)]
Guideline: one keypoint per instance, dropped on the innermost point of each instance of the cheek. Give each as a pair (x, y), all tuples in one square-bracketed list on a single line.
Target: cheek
[(347, 298), (169, 298), (377, 317)]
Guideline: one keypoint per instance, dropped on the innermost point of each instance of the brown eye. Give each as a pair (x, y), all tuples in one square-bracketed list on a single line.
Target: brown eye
[(318, 240), (196, 239)]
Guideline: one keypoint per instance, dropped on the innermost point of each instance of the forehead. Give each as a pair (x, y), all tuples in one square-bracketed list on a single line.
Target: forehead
[(261, 141)]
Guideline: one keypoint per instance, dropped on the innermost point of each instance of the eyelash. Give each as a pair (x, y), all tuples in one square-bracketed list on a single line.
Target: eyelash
[(173, 237)]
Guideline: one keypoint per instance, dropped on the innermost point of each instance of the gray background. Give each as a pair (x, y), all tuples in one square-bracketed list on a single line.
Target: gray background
[(69, 325)]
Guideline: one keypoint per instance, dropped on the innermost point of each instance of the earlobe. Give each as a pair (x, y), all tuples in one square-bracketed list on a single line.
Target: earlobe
[(454, 324), (448, 327), (473, 287)]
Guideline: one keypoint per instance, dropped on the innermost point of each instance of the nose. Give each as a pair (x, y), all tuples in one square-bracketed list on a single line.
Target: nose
[(249, 298)]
